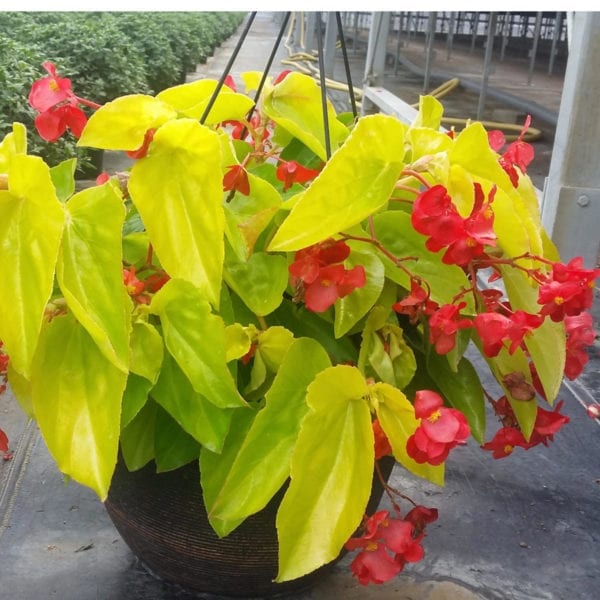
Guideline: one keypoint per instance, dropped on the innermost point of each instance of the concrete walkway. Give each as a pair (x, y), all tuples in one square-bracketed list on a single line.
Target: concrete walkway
[(523, 528)]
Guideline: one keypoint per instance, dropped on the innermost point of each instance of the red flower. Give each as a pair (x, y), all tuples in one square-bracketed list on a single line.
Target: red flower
[(382, 444), (132, 283), (102, 178), (230, 83), (547, 423), (580, 333), (444, 323), (55, 121), (435, 215), (49, 91), (505, 441), (291, 172), (154, 282), (3, 441), (319, 277), (417, 303), (142, 151), (568, 291), (333, 282), (282, 76), (420, 516), (440, 429), (374, 565), (236, 179), (495, 329), (518, 154)]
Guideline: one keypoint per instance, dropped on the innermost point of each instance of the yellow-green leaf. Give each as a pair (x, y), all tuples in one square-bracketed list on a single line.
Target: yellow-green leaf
[(13, 144), (90, 270), (196, 339), (76, 395), (355, 183), (31, 224), (178, 192), (331, 473), (295, 104), (146, 351), (191, 100), (122, 123), (397, 418)]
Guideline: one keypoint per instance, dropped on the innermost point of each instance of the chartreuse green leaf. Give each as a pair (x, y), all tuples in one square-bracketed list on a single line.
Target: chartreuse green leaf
[(397, 419), (76, 395), (263, 461), (196, 339), (356, 182), (31, 224), (178, 192), (134, 398), (384, 354), (430, 113), (21, 389), (205, 422), (13, 144), (173, 447), (549, 365), (122, 123), (295, 104), (237, 341), (90, 270), (350, 309), (137, 438), (248, 216), (191, 100), (462, 388), (259, 282), (395, 232), (146, 354), (214, 468), (331, 473), (251, 80), (63, 178)]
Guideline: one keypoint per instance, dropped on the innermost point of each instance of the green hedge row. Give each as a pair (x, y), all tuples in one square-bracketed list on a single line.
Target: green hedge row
[(104, 54)]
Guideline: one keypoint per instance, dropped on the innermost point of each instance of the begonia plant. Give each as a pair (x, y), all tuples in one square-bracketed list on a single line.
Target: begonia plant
[(279, 304)]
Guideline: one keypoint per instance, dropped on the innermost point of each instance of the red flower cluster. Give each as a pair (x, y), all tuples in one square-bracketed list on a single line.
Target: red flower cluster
[(440, 429), (384, 535), (568, 290), (506, 439), (495, 330), (435, 215), (444, 324), (139, 289), (417, 303), (291, 172), (320, 278), (53, 97), (518, 154), (580, 333)]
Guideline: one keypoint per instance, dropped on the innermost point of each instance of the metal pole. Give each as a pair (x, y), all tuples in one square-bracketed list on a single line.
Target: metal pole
[(430, 50), (398, 45), (487, 60), (555, 38), (330, 39), (450, 39), (571, 202), (536, 35), (376, 52), (505, 34), (475, 26)]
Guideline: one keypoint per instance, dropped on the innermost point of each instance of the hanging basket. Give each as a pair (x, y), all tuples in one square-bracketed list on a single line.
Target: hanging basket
[(163, 520)]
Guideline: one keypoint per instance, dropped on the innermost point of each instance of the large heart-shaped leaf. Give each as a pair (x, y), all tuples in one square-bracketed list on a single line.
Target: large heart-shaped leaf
[(178, 192), (77, 395), (331, 473), (31, 224), (355, 183)]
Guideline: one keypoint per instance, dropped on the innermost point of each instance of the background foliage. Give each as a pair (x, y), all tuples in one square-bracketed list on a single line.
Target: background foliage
[(105, 54)]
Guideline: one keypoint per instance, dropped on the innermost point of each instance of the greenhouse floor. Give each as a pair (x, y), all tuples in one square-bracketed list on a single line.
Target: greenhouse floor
[(523, 528)]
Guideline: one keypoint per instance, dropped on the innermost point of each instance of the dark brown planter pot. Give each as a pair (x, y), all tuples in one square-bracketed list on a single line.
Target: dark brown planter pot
[(163, 520)]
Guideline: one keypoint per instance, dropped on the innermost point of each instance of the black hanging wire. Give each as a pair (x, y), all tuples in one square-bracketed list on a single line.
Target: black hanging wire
[(230, 62), (267, 69), (323, 88), (346, 64)]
